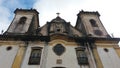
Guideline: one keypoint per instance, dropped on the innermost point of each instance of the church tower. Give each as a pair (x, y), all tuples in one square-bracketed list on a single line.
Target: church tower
[(104, 49), (24, 22), (90, 24), (58, 44)]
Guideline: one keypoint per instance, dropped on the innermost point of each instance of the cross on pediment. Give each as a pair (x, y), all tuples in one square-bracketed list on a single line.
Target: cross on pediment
[(58, 14)]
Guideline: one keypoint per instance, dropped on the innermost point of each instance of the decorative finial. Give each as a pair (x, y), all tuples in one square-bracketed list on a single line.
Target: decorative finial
[(112, 35), (2, 31), (58, 14)]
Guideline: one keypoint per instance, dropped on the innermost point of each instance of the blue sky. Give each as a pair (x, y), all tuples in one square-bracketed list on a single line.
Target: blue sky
[(7, 8), (109, 11), (11, 5)]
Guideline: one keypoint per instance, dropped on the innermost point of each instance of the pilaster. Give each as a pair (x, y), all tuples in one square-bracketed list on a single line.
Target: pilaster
[(20, 54)]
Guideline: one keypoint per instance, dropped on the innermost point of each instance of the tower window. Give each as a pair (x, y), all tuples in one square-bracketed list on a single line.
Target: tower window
[(35, 56), (81, 56), (22, 20), (59, 49), (93, 23), (98, 32)]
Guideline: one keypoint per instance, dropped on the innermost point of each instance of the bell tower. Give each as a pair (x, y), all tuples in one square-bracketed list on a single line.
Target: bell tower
[(90, 24), (24, 22)]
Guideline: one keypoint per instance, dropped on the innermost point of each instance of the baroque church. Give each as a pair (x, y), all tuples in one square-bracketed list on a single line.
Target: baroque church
[(58, 44)]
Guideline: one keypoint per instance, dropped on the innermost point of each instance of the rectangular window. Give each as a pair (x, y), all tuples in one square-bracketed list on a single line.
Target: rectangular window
[(81, 56), (35, 56)]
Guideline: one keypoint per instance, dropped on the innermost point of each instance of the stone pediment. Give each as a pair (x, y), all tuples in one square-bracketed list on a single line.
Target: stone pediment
[(59, 26)]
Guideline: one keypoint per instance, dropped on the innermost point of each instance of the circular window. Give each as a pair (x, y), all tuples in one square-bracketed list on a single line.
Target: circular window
[(8, 48), (106, 50), (59, 49)]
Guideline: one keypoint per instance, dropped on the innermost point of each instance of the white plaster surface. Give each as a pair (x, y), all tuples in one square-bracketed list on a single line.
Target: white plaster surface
[(69, 59), (7, 57), (109, 59)]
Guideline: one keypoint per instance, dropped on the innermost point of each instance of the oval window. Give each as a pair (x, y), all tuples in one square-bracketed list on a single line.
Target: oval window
[(59, 49)]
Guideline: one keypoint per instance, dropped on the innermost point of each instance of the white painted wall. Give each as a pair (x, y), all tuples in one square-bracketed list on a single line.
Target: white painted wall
[(49, 58), (109, 59), (7, 57), (69, 59)]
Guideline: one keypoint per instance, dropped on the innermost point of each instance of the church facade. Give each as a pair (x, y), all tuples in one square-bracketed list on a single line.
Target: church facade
[(58, 44)]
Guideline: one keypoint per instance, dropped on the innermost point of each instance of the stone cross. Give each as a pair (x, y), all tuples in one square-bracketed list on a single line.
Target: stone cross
[(58, 14)]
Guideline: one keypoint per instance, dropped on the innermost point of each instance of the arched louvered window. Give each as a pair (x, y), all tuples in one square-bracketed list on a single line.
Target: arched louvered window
[(81, 55), (98, 32), (22, 20), (93, 23)]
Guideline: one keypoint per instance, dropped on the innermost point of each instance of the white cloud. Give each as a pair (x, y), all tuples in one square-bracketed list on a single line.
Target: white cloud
[(6, 12), (109, 11), (4, 18), (49, 8)]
